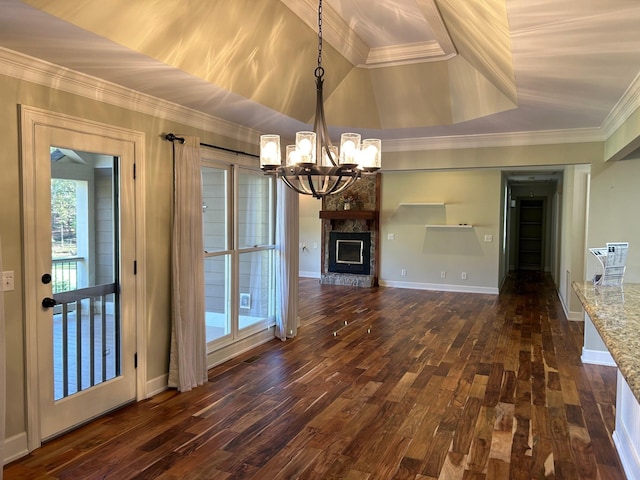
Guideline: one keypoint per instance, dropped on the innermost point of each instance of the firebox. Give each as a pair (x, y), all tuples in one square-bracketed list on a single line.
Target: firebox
[(350, 252)]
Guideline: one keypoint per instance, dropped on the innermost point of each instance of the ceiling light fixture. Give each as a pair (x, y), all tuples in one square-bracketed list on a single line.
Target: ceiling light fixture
[(314, 166)]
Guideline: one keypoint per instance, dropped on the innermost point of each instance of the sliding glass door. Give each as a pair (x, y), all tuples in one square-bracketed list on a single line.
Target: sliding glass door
[(238, 215)]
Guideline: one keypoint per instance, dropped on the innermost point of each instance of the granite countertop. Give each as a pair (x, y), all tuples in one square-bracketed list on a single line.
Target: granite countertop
[(615, 312)]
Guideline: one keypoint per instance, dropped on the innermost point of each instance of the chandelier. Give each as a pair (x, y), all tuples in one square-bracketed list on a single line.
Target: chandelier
[(314, 166)]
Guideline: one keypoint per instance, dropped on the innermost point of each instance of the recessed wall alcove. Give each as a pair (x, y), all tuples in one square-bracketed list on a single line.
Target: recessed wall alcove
[(362, 217)]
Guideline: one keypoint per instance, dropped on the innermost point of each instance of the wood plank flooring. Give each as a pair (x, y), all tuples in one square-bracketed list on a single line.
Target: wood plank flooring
[(380, 383)]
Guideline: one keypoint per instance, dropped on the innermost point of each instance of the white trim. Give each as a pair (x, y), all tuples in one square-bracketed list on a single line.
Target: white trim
[(31, 69), (626, 435), (440, 287), (15, 447), (624, 108), (405, 54), (239, 347), (597, 357), (511, 139), (574, 316), (624, 446), (346, 41), (571, 315), (305, 274), (31, 116), (157, 385)]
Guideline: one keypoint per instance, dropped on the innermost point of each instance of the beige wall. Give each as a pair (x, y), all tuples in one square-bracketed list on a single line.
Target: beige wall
[(158, 171), (613, 212), (507, 156), (310, 236), (471, 197)]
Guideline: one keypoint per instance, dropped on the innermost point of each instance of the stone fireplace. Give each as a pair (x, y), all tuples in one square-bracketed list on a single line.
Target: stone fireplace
[(350, 238)]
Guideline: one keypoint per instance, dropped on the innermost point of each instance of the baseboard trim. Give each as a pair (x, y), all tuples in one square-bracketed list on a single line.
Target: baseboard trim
[(597, 357), (14, 448), (626, 436), (302, 274), (630, 462), (440, 287), (157, 385), (572, 316)]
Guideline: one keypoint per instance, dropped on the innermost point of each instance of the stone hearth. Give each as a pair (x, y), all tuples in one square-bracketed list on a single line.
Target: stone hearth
[(363, 216)]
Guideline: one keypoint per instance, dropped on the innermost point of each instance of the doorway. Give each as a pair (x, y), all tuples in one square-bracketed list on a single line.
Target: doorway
[(83, 300), (531, 230)]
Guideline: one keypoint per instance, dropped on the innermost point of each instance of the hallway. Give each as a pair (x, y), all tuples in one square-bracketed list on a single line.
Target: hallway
[(380, 383)]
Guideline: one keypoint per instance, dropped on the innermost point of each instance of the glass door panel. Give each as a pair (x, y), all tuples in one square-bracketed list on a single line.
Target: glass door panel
[(84, 270)]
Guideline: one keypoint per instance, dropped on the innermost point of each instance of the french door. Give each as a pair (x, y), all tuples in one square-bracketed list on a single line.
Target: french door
[(80, 217)]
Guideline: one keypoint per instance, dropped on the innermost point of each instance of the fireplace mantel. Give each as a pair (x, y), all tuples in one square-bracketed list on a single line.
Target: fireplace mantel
[(367, 215)]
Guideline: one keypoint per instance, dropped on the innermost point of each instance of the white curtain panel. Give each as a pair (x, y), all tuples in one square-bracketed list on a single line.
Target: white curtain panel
[(287, 262), (3, 373), (188, 358)]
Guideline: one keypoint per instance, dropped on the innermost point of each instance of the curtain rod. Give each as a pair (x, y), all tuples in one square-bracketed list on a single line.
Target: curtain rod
[(173, 138)]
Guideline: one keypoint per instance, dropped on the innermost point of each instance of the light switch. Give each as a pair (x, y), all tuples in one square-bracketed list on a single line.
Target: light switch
[(488, 238)]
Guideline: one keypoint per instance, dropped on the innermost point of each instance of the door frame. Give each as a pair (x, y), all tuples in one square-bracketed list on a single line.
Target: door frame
[(29, 118)]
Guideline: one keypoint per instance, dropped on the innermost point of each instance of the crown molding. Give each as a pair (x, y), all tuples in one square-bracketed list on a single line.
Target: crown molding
[(342, 37), (624, 108), (512, 139), (31, 69), (407, 53)]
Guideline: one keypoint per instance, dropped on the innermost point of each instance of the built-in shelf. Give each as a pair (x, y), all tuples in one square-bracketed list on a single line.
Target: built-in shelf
[(449, 226), (422, 204), (369, 216)]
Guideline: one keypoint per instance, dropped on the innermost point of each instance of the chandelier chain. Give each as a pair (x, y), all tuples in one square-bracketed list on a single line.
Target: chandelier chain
[(319, 71)]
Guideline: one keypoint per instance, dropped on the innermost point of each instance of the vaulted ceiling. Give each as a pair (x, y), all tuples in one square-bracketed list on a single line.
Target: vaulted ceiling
[(399, 69)]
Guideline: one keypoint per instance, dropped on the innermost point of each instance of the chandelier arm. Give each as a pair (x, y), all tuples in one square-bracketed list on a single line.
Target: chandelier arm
[(347, 184), (293, 187), (337, 187)]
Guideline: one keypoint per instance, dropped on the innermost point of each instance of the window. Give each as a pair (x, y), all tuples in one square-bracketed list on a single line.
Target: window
[(238, 215)]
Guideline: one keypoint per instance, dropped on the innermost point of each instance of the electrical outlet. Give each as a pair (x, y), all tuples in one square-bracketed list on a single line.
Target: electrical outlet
[(488, 238), (463, 276), (7, 281), (391, 236), (403, 272), (443, 274)]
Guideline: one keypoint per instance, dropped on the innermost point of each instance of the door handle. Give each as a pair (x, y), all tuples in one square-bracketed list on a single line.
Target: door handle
[(48, 302)]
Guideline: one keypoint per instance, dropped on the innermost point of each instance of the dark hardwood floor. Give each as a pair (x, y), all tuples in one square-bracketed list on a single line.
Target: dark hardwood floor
[(380, 383)]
